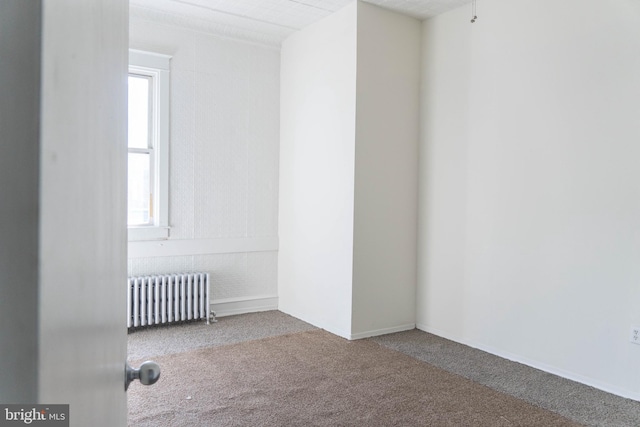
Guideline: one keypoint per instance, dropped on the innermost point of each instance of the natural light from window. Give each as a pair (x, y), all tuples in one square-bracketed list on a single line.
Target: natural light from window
[(148, 179), (140, 196)]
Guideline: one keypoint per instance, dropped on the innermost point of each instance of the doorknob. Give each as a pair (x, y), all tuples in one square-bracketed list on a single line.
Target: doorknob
[(148, 373)]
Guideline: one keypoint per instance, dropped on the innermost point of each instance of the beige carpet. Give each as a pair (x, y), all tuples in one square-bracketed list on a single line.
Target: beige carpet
[(317, 379)]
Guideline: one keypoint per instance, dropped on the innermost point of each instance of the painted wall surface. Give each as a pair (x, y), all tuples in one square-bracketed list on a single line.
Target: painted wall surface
[(386, 171), (317, 153), (224, 138), (529, 211), (19, 174), (82, 240)]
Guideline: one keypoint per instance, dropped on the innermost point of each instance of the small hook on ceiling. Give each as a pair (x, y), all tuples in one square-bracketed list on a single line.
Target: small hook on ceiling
[(474, 14)]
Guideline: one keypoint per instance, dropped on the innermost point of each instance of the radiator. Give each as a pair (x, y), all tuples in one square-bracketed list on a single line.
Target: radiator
[(154, 300)]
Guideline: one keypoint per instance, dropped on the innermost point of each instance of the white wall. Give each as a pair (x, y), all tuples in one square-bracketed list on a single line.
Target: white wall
[(224, 142), (317, 153), (348, 172), (529, 183), (386, 171)]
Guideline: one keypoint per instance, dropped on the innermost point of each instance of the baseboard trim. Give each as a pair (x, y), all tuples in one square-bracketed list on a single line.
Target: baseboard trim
[(233, 306), (534, 364), (384, 331), (316, 323), (348, 335)]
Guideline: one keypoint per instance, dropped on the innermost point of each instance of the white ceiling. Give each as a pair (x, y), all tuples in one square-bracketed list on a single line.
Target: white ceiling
[(267, 21)]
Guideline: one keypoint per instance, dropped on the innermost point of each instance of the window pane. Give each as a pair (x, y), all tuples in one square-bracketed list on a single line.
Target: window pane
[(139, 193), (139, 111)]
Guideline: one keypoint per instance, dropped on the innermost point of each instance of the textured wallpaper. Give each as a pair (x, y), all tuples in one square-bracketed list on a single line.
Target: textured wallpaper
[(234, 275), (223, 153)]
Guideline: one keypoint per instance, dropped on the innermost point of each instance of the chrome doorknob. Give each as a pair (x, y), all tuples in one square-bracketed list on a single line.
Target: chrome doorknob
[(148, 373)]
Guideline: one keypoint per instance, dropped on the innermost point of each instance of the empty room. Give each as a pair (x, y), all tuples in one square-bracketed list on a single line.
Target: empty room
[(326, 212)]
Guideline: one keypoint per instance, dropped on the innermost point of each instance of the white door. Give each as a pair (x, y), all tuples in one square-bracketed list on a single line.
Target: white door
[(81, 333), (63, 254)]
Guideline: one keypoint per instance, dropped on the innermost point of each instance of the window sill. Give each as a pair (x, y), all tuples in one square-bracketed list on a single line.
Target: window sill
[(136, 234)]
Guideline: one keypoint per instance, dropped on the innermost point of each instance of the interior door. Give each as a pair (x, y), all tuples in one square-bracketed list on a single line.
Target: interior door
[(82, 221)]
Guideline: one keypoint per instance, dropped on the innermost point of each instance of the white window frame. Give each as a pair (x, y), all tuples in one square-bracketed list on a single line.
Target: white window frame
[(157, 67)]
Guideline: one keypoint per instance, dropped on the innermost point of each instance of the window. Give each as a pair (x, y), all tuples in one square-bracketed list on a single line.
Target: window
[(148, 164)]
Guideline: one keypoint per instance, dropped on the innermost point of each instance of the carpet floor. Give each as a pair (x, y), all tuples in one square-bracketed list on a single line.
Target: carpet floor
[(313, 378)]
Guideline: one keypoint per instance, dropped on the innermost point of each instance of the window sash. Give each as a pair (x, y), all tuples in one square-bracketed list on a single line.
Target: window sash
[(151, 137), (140, 196), (156, 67)]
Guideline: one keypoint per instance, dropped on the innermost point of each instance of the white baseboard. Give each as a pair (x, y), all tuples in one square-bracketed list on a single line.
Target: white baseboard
[(316, 322), (535, 364), (232, 306), (347, 334), (384, 331)]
